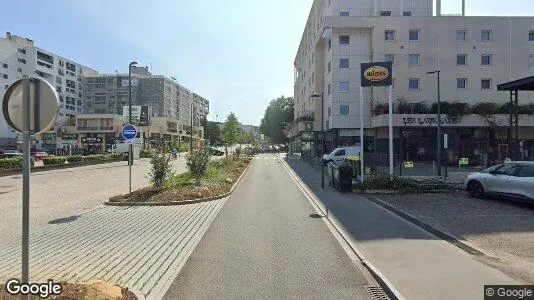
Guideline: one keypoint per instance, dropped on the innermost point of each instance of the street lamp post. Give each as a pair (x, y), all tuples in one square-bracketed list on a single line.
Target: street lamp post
[(439, 121), (130, 149), (314, 95), (191, 128)]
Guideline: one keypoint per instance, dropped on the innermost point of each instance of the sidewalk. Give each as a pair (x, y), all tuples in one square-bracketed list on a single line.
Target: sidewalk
[(418, 264)]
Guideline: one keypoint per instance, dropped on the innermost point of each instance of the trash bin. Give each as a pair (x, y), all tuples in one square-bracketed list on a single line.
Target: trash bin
[(342, 177), (330, 173)]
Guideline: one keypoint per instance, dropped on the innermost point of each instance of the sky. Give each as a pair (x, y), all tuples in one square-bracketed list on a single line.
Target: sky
[(238, 54)]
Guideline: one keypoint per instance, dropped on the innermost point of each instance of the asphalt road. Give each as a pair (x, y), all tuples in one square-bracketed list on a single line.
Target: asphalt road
[(266, 243), (65, 193)]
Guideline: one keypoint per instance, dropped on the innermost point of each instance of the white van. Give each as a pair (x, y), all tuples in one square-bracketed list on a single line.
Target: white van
[(339, 154)]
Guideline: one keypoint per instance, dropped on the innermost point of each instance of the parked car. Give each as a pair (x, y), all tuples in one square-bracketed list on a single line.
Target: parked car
[(11, 153), (511, 180), (339, 154), (214, 151), (39, 155)]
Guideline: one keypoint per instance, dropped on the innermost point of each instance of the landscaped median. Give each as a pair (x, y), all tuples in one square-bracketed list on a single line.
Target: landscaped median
[(206, 180), (382, 184), (12, 166)]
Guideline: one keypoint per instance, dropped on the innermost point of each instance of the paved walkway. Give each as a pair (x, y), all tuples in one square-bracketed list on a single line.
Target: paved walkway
[(418, 264), (142, 248), (268, 243)]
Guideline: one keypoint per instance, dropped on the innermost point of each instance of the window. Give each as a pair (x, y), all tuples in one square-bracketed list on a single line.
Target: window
[(343, 13), (461, 59), (19, 70), (407, 13), (4, 76), (390, 57), (526, 171), (344, 63), (413, 35), (329, 89), (20, 50), (531, 36), (389, 35), (506, 169), (343, 110), (4, 66), (485, 35), (385, 13), (485, 84), (413, 59), (340, 152), (344, 39), (21, 60), (461, 83), (329, 67), (461, 35), (414, 84), (329, 44), (531, 60), (486, 59), (344, 86), (6, 86)]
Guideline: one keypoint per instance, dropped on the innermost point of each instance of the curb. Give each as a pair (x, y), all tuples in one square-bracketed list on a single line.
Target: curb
[(185, 202), (388, 287), (11, 172), (448, 237)]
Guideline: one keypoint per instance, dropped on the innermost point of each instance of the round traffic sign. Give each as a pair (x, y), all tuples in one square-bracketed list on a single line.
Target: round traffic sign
[(129, 132), (44, 105)]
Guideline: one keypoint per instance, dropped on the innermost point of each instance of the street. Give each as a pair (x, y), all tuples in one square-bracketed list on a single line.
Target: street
[(266, 243), (62, 194)]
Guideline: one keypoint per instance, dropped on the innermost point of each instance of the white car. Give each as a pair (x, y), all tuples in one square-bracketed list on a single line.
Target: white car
[(512, 180), (339, 154)]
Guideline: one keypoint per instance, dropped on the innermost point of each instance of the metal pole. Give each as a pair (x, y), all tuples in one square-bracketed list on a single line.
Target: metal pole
[(516, 110), (191, 127), (390, 117), (130, 158), (26, 183), (439, 127), (322, 150), (362, 144)]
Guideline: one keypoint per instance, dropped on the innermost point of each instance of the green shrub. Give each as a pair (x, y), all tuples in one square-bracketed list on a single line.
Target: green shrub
[(161, 166), (74, 158), (117, 156), (97, 157), (197, 163), (144, 153), (14, 162), (56, 160)]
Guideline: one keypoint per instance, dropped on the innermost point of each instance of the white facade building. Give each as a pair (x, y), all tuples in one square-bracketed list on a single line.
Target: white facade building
[(19, 56), (473, 54)]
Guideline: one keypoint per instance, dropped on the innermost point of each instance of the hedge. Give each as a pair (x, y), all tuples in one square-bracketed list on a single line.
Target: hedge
[(97, 157), (56, 160), (74, 158), (14, 162), (145, 153)]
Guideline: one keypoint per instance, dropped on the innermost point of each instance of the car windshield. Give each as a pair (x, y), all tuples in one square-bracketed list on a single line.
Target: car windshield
[(491, 169)]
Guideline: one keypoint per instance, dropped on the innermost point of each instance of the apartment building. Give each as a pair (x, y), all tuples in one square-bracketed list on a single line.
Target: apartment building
[(201, 107), (19, 56), (473, 54)]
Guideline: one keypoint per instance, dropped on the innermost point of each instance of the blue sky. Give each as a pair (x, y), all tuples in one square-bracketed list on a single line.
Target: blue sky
[(236, 53)]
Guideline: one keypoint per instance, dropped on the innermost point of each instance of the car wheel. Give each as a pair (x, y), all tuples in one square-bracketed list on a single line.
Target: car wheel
[(475, 189)]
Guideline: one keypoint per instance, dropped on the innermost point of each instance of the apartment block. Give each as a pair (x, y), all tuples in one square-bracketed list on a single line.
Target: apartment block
[(19, 56), (473, 54)]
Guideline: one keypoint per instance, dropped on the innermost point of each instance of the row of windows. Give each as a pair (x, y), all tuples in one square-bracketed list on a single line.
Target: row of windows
[(414, 84), (384, 13), (461, 59), (461, 35)]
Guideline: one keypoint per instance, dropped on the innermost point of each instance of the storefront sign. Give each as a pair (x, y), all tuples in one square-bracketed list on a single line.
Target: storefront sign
[(308, 126), (376, 74), (507, 160), (463, 161), (408, 164), (91, 140), (69, 136), (430, 121)]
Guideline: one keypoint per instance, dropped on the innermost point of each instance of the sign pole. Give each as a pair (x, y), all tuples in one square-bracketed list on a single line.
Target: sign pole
[(362, 144), (26, 182), (390, 117)]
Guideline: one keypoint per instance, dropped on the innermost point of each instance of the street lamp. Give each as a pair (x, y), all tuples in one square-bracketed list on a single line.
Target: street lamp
[(130, 152), (439, 121), (315, 95)]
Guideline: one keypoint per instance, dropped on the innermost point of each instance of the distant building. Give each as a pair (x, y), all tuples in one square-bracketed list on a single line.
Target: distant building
[(19, 56)]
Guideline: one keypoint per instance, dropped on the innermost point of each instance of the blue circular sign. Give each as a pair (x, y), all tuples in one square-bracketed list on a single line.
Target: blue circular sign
[(129, 132)]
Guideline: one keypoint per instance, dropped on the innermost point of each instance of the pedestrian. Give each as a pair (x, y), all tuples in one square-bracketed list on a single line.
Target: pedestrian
[(174, 152)]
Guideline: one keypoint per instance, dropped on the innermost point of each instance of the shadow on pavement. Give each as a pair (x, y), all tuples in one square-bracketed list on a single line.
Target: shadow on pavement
[(316, 216), (63, 220)]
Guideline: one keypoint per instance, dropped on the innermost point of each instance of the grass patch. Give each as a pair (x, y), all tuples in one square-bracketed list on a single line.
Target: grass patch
[(219, 179)]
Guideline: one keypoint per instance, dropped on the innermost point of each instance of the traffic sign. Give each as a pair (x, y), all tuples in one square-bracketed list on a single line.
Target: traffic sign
[(129, 132), (44, 106)]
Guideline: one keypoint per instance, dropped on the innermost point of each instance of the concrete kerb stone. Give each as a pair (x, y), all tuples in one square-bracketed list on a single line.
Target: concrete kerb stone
[(389, 288), (185, 202)]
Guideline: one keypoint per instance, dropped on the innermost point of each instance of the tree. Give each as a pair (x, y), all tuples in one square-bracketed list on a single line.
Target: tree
[(161, 165), (197, 163), (231, 130), (278, 114), (212, 132)]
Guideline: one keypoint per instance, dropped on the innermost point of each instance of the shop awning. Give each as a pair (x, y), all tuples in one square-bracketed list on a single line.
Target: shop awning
[(524, 84)]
